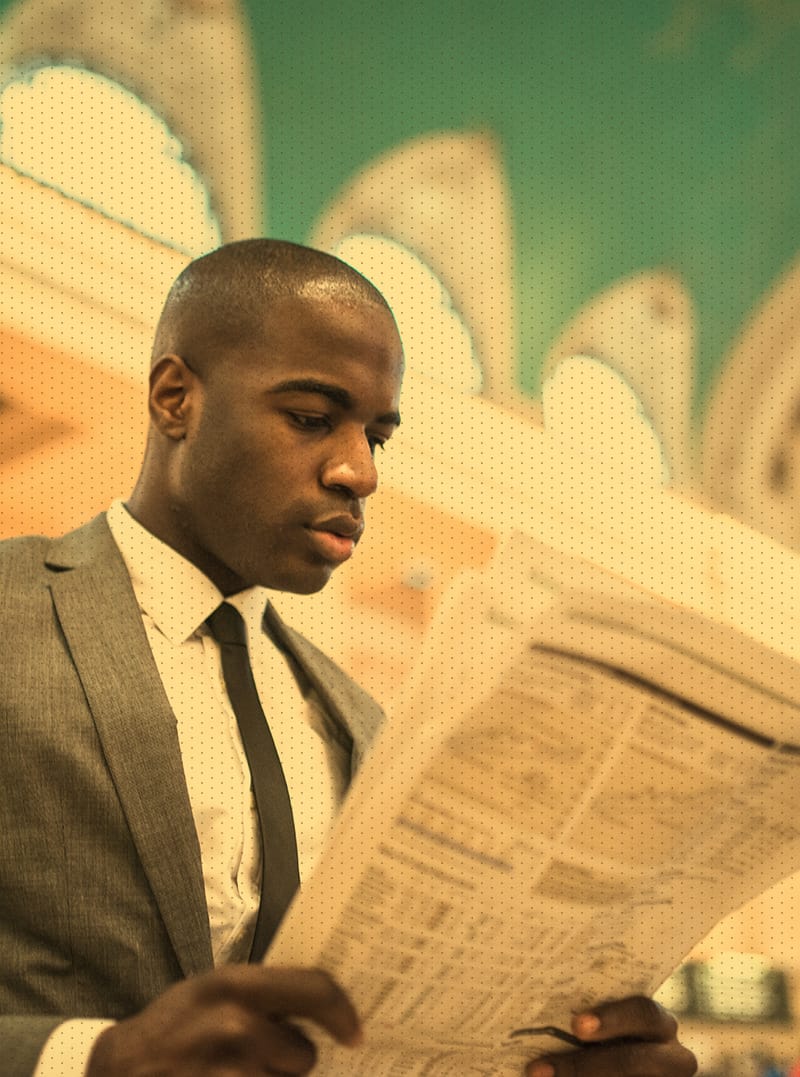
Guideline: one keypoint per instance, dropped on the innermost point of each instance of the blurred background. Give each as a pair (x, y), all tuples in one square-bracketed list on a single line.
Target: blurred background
[(524, 181)]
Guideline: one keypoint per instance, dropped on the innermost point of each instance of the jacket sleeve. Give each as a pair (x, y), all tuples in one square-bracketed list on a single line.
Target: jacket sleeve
[(22, 1040)]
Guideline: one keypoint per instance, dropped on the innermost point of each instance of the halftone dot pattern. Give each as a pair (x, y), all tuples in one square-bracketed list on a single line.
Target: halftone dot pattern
[(648, 137)]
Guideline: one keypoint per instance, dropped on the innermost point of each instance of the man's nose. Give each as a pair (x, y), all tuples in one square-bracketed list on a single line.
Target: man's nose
[(352, 467)]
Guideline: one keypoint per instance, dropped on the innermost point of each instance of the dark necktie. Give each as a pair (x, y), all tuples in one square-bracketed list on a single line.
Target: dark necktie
[(280, 876)]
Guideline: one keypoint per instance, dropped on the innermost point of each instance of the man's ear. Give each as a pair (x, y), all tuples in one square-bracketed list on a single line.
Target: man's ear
[(172, 389)]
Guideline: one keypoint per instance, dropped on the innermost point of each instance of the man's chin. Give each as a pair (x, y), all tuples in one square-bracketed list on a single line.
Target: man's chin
[(307, 582)]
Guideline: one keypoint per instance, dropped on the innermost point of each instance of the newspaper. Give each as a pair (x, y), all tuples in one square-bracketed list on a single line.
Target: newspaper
[(582, 777)]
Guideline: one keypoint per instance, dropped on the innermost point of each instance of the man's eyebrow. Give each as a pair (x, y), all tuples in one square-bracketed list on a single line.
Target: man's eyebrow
[(335, 393)]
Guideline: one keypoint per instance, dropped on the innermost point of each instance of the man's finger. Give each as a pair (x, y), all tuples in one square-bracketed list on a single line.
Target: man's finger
[(284, 1049), (623, 1060), (638, 1018), (286, 993)]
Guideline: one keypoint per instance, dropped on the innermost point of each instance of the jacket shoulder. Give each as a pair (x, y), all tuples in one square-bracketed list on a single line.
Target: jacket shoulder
[(22, 560), (28, 563)]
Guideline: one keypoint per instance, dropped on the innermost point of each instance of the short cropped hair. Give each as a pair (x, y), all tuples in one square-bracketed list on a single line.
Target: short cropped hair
[(219, 301)]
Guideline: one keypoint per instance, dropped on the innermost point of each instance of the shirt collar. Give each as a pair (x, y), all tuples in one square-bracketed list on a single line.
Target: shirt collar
[(170, 589)]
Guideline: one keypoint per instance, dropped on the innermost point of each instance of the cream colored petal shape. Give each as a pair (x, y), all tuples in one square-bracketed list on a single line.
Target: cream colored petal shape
[(190, 61), (444, 196), (763, 486), (643, 327), (751, 431)]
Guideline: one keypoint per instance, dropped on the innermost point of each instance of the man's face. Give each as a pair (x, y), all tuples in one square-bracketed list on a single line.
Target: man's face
[(270, 481)]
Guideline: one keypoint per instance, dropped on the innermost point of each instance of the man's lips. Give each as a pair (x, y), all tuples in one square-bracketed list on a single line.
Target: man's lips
[(344, 525), (336, 537)]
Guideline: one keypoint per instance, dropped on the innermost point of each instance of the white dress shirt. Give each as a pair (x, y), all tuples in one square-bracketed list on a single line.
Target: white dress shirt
[(175, 598)]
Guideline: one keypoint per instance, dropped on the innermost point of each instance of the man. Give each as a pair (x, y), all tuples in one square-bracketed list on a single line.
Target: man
[(130, 874)]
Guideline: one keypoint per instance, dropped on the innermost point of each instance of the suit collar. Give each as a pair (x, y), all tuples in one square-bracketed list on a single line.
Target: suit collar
[(90, 543), (355, 716)]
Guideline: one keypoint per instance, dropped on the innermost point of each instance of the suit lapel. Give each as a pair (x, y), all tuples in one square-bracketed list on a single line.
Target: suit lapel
[(102, 625), (356, 716)]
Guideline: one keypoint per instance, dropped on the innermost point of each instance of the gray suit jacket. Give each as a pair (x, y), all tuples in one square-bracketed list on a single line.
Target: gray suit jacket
[(101, 891)]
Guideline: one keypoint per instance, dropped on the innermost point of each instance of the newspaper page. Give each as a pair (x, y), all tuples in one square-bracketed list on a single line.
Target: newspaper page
[(581, 779)]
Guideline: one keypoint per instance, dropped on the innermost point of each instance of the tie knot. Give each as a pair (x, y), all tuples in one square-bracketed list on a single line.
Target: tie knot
[(226, 625)]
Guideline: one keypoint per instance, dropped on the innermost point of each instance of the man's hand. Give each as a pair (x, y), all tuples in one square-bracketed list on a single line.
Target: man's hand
[(235, 1020), (649, 1046)]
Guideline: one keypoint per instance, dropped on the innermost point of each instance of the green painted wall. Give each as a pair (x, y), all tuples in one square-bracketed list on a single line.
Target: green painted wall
[(636, 133)]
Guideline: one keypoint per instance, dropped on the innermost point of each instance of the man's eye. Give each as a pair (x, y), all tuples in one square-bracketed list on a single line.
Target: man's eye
[(376, 443), (309, 422)]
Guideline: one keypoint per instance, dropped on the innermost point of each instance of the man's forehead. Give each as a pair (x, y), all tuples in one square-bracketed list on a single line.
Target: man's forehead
[(321, 317), (316, 339)]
